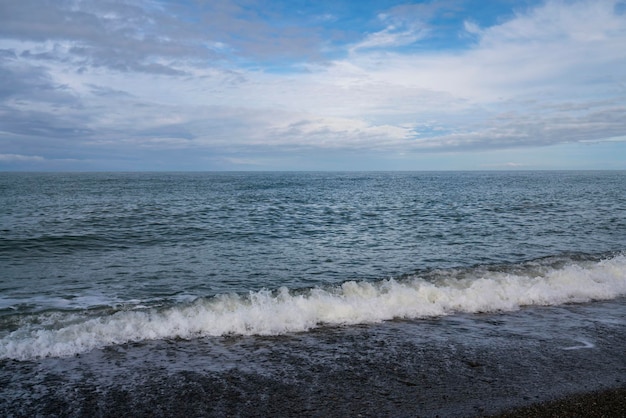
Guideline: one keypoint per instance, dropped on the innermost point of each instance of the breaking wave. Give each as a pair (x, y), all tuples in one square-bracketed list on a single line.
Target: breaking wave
[(436, 293)]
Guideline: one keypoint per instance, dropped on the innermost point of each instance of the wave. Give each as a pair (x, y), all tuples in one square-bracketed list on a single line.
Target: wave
[(437, 293)]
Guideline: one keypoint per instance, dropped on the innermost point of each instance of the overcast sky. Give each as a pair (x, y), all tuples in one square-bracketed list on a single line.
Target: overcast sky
[(312, 85)]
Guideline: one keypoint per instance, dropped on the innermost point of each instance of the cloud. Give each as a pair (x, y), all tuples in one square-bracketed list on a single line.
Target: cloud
[(391, 36), (506, 165), (120, 36), (518, 57), (555, 55), (336, 133), (237, 161), (472, 28), (40, 124), (20, 80), (523, 131), (233, 78), (9, 158), (397, 33), (405, 24), (105, 91)]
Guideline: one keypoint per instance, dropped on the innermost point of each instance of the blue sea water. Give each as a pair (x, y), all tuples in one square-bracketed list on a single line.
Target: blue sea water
[(90, 260), (308, 294)]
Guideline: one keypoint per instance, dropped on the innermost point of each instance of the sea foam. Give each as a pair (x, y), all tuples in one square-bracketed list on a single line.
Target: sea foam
[(285, 311)]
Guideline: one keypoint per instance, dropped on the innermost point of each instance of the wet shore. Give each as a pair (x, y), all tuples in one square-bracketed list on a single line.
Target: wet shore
[(605, 404), (550, 361)]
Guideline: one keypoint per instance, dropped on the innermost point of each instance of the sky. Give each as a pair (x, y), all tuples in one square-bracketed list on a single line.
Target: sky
[(163, 85)]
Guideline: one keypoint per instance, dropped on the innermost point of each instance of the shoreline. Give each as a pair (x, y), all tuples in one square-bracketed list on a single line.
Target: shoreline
[(558, 361), (253, 395), (603, 403)]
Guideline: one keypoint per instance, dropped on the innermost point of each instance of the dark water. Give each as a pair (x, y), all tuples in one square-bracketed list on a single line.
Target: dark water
[(191, 279)]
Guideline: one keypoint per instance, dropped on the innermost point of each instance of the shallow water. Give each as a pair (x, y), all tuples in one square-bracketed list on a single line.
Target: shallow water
[(457, 365)]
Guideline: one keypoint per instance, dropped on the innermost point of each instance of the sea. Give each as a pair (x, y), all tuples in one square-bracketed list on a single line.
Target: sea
[(309, 293)]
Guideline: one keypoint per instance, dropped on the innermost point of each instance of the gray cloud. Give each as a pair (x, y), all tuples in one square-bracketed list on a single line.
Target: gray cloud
[(102, 34), (33, 104), (531, 130), (22, 81), (19, 158), (142, 38), (259, 30), (44, 125), (7, 54), (105, 91)]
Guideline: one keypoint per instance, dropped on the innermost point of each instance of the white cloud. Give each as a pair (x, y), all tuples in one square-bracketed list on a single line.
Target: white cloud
[(472, 28), (339, 133), (401, 28), (561, 53), (390, 37), (10, 158)]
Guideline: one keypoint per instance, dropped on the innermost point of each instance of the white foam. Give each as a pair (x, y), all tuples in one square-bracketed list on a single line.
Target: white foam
[(585, 344), (283, 311)]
